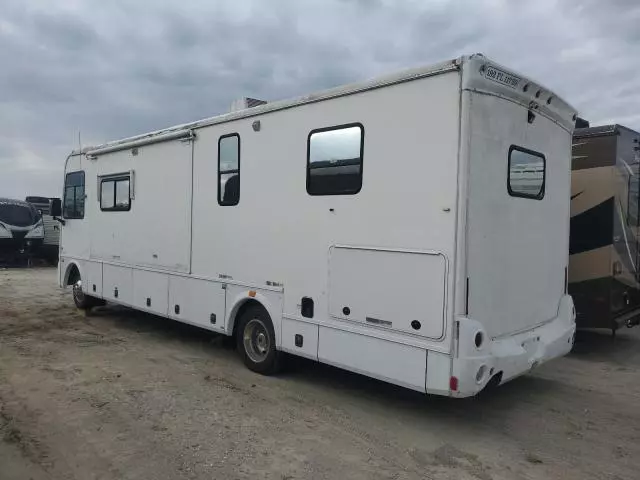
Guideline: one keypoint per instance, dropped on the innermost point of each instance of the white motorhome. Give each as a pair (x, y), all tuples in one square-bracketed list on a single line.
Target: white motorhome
[(375, 227)]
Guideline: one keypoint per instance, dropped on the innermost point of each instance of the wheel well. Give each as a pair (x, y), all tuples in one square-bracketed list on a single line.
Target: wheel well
[(494, 381), (73, 274), (250, 302)]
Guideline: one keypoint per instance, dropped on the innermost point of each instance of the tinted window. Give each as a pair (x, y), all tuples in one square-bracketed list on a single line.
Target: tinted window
[(526, 173), (229, 170), (334, 160), (73, 204), (115, 194)]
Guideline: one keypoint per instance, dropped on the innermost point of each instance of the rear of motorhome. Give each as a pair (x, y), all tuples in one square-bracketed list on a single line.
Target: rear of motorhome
[(21, 231), (413, 228), (603, 266)]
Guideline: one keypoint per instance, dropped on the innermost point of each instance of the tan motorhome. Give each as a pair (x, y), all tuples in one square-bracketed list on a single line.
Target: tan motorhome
[(603, 247)]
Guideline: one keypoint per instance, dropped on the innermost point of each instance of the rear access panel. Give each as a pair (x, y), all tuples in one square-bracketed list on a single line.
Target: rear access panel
[(400, 290)]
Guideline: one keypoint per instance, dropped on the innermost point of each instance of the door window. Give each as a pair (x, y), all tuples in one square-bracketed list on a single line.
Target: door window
[(74, 195)]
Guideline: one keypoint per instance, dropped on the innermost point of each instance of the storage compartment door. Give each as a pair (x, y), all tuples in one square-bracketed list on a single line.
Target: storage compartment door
[(92, 283), (198, 302), (151, 291), (394, 289), (117, 284)]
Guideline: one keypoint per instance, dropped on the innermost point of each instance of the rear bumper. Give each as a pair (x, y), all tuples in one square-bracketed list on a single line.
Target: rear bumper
[(505, 358)]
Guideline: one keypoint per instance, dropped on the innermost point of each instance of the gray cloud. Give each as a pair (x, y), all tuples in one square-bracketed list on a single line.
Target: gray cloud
[(118, 68)]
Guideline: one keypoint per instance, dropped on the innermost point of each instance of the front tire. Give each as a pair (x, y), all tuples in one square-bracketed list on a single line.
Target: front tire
[(82, 300), (256, 341)]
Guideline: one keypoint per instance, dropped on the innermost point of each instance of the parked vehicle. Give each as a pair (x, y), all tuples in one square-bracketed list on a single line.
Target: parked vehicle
[(51, 240), (21, 231), (381, 227), (603, 266)]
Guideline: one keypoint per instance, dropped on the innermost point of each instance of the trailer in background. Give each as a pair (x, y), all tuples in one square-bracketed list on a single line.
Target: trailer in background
[(50, 247), (21, 232), (604, 278)]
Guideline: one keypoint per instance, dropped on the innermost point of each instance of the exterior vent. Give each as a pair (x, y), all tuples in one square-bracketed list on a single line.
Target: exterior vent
[(246, 102)]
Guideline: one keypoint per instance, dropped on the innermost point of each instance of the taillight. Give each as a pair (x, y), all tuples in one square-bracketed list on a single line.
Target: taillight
[(453, 384)]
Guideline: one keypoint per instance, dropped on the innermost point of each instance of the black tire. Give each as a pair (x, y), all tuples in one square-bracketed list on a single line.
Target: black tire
[(256, 341), (82, 300)]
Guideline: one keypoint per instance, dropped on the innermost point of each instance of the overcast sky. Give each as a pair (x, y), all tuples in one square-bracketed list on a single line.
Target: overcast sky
[(120, 67)]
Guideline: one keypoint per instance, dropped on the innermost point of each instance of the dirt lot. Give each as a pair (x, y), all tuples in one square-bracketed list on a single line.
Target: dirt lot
[(123, 395)]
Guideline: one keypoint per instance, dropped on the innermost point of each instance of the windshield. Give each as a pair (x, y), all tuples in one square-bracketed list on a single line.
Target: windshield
[(17, 214)]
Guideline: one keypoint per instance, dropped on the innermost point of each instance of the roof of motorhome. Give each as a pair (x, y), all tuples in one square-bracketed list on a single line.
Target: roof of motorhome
[(400, 77), (600, 131)]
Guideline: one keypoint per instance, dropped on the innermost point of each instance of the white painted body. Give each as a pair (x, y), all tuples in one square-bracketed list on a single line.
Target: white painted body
[(433, 211)]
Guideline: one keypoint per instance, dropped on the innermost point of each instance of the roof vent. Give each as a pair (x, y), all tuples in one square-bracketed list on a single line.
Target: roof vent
[(246, 102)]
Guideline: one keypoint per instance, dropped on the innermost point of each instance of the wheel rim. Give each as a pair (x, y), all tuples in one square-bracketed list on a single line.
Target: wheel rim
[(256, 340), (78, 294)]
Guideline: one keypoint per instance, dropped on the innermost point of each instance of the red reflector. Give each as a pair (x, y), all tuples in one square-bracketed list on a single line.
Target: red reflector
[(453, 384)]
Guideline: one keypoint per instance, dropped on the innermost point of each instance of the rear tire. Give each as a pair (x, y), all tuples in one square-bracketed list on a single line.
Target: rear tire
[(256, 341)]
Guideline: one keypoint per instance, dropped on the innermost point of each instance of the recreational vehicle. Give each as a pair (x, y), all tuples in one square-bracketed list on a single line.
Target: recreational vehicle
[(603, 263), (21, 231), (413, 228), (51, 240)]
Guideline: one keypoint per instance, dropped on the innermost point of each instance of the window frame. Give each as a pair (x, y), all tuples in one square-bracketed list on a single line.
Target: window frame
[(328, 129), (220, 173), (115, 179), (75, 199), (543, 188)]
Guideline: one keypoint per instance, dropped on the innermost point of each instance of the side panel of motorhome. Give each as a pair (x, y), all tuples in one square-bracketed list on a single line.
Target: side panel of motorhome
[(314, 246), (151, 226)]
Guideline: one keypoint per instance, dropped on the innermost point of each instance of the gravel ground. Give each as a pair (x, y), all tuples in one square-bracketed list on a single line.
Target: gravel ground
[(124, 395)]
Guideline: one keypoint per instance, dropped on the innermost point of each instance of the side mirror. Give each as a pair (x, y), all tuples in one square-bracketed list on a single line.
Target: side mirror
[(55, 207)]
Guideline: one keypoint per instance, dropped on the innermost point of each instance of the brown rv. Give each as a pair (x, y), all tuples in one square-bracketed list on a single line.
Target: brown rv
[(604, 241)]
